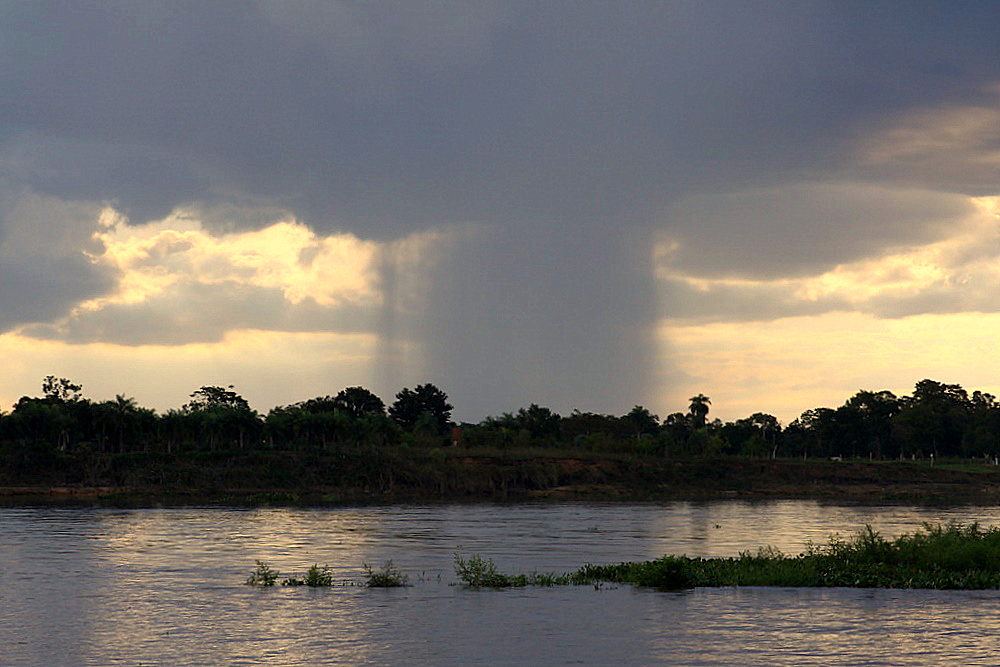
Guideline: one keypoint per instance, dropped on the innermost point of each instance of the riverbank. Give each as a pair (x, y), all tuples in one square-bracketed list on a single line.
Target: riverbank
[(450, 475)]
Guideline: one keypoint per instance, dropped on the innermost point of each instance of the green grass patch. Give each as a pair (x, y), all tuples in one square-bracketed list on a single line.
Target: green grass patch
[(948, 557)]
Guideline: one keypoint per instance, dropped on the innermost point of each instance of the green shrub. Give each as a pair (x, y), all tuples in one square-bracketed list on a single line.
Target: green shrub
[(316, 576), (262, 575), (479, 572), (388, 576)]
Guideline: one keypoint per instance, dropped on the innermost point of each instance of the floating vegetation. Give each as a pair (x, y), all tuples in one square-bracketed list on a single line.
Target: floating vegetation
[(479, 572), (936, 557), (388, 576), (316, 576), (262, 575), (954, 556)]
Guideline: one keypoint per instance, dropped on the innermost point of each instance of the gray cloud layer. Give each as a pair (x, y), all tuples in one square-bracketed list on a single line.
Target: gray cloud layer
[(576, 132)]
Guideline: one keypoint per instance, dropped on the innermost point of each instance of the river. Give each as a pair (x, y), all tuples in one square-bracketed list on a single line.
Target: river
[(143, 587)]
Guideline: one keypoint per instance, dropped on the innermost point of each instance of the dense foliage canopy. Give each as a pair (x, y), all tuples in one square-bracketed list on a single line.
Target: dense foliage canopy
[(937, 420)]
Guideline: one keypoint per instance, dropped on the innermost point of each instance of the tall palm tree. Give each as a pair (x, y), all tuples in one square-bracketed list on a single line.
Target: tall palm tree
[(123, 408), (699, 410)]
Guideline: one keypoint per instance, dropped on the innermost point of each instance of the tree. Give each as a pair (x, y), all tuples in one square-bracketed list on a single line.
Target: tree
[(642, 422), (876, 410), (223, 415), (60, 390), (208, 398), (934, 419), (539, 422), (699, 410), (358, 402), (815, 431), (769, 427), (410, 405)]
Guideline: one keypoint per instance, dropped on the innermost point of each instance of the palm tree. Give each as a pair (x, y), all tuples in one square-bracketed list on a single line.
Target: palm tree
[(699, 410), (123, 408)]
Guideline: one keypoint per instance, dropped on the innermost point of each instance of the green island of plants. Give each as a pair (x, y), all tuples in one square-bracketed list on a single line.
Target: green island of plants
[(936, 557)]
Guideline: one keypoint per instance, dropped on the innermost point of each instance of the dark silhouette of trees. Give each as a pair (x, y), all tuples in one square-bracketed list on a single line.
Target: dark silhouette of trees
[(873, 412), (61, 390), (813, 433), (222, 416), (579, 425), (540, 423), (642, 421), (699, 410), (934, 419), (63, 437), (210, 398), (411, 406), (358, 402)]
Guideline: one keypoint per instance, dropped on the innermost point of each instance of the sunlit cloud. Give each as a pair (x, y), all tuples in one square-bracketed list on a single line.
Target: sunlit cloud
[(179, 283), (958, 272), (799, 295), (286, 255), (281, 311)]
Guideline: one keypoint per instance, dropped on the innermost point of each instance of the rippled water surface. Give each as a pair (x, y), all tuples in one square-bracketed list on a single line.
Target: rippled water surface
[(165, 587)]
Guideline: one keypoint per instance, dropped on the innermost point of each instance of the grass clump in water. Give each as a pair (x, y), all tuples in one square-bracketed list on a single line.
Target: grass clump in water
[(479, 572), (949, 557), (315, 577), (388, 576), (667, 573), (262, 575)]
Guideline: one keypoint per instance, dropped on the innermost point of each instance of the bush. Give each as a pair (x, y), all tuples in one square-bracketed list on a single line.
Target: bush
[(388, 576), (316, 576), (478, 572), (262, 575)]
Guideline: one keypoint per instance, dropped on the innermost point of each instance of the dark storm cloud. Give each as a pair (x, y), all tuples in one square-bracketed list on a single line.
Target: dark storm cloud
[(566, 128), (43, 289), (44, 272), (761, 302), (804, 229), (384, 116)]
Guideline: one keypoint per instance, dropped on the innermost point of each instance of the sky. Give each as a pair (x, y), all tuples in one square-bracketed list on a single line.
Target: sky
[(584, 205)]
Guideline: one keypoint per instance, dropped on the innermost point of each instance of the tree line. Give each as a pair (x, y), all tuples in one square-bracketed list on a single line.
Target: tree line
[(937, 419)]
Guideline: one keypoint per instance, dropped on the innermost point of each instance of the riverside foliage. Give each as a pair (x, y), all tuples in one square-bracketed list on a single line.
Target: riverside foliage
[(352, 440)]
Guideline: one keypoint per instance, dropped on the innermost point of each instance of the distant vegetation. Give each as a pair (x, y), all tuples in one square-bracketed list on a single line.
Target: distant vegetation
[(352, 439)]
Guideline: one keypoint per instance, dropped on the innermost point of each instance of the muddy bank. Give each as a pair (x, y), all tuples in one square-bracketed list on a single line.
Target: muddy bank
[(465, 477)]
